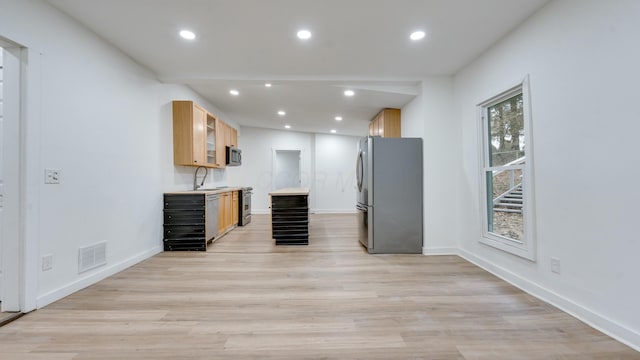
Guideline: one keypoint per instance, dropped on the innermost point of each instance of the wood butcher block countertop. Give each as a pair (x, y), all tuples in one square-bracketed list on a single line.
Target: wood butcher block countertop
[(290, 191)]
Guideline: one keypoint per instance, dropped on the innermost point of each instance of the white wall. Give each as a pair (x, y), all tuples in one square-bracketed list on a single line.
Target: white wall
[(413, 117), (429, 116), (105, 122), (582, 58), (327, 167), (335, 172)]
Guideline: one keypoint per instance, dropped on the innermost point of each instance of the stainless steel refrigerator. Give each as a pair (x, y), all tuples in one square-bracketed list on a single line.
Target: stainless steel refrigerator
[(389, 201)]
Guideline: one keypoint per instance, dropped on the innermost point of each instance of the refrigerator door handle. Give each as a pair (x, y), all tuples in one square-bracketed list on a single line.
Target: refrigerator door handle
[(359, 170)]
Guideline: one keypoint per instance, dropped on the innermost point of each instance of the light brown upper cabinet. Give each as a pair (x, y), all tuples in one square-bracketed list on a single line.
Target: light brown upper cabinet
[(221, 130), (234, 137), (189, 133), (373, 126), (199, 138), (386, 123), (230, 136), (227, 135)]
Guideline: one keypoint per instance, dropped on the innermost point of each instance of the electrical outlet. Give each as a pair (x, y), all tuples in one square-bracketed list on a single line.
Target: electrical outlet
[(52, 176), (555, 265), (47, 262)]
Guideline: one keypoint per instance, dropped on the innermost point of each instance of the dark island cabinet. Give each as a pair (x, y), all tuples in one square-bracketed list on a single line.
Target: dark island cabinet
[(290, 216)]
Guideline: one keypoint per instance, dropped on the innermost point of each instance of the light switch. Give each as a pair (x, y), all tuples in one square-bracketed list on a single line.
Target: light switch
[(51, 176)]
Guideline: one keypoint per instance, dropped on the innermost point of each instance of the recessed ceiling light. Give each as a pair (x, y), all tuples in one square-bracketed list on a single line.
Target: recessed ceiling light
[(304, 34), (282, 113), (234, 92), (417, 35), (186, 34), (267, 85), (287, 126), (338, 118), (333, 131), (349, 93)]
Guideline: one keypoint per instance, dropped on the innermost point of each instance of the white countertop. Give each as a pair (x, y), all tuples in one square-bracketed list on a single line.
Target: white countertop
[(206, 191), (290, 191)]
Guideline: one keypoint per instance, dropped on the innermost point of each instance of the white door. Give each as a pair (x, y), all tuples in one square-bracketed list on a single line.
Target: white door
[(287, 169)]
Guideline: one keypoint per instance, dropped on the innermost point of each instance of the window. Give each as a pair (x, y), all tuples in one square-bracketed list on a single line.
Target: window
[(506, 172)]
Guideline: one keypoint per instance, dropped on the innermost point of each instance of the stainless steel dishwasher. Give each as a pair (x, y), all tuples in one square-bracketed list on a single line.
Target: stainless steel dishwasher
[(211, 216)]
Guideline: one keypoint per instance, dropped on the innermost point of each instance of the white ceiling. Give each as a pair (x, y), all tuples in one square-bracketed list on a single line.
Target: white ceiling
[(359, 44)]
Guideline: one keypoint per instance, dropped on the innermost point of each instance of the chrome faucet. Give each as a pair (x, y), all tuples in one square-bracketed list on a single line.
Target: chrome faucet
[(195, 178)]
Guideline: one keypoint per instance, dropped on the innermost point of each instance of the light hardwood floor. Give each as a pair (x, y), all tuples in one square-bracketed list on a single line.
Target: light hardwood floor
[(247, 299), (7, 317)]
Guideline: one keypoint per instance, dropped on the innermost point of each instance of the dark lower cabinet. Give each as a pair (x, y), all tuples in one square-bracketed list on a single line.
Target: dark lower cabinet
[(184, 222), (290, 219)]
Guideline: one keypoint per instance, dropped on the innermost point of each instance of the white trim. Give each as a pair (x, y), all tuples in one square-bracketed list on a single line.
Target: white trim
[(433, 251), (274, 152), (30, 170), (526, 248), (498, 169), (311, 211), (527, 181), (91, 279), (333, 211), (597, 321), (11, 239)]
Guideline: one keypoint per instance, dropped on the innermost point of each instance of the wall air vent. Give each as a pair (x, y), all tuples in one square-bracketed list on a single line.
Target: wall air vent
[(91, 257)]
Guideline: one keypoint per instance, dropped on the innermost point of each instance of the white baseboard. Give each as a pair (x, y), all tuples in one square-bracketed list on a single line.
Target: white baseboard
[(439, 251), (333, 211), (599, 322), (103, 273), (312, 211)]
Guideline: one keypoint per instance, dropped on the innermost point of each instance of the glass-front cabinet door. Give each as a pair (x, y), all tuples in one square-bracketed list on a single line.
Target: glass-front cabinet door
[(211, 140)]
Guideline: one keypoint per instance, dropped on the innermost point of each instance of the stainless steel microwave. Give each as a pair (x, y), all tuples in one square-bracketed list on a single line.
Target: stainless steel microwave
[(234, 156)]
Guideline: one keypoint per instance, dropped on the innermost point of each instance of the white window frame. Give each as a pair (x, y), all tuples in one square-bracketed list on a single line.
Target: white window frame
[(527, 247)]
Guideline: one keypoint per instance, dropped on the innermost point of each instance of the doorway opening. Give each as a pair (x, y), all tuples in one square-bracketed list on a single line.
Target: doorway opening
[(11, 60), (287, 169)]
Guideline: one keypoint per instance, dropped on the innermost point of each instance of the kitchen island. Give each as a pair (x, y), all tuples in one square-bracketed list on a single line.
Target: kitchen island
[(290, 216)]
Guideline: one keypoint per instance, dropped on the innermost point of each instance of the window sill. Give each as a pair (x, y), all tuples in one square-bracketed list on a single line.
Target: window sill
[(509, 246)]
